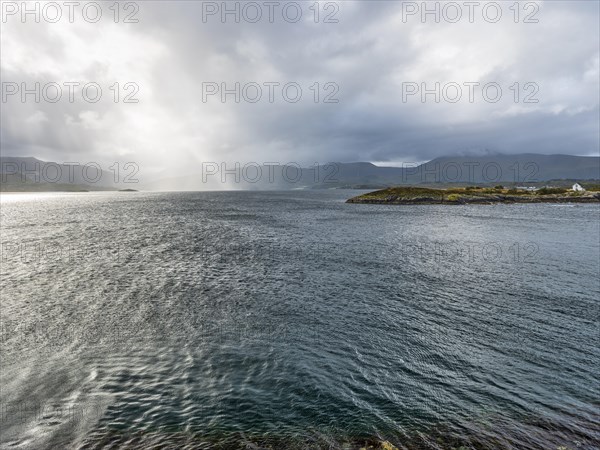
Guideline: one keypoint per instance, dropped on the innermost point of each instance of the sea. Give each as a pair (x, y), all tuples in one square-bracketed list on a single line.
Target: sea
[(293, 320)]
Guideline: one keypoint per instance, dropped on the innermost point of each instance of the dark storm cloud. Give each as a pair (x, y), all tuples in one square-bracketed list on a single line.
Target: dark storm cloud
[(368, 54)]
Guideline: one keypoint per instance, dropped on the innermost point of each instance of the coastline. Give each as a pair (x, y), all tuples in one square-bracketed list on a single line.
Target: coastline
[(462, 196)]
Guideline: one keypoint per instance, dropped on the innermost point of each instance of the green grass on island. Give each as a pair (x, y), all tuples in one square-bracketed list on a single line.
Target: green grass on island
[(407, 195)]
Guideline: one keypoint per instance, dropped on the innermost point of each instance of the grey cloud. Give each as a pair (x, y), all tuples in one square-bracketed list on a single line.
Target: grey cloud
[(369, 53)]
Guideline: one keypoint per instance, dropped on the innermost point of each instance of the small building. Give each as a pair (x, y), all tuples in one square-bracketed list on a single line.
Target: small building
[(578, 188)]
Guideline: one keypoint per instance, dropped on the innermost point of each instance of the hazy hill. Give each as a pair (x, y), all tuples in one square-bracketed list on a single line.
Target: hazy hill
[(31, 174), (521, 168), (490, 169)]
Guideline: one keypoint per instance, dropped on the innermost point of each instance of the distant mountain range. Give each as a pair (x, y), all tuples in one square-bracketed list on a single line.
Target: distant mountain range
[(528, 168), (31, 174), (28, 174)]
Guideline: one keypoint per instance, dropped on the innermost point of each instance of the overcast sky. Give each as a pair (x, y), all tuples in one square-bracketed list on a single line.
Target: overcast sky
[(370, 53)]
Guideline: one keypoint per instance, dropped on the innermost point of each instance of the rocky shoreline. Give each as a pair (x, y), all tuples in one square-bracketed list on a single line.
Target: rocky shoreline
[(425, 196)]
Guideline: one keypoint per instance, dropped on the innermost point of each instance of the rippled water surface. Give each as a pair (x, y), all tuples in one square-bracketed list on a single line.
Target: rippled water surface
[(294, 320)]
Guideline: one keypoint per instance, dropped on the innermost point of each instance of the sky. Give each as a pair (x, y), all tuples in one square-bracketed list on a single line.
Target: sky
[(339, 81)]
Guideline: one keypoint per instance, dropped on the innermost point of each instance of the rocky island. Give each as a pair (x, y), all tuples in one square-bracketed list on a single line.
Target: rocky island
[(475, 195)]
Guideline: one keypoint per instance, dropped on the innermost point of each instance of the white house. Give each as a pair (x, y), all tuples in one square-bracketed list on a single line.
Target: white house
[(578, 188)]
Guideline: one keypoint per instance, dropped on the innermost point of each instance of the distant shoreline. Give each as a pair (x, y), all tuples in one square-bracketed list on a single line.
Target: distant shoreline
[(62, 191), (478, 196)]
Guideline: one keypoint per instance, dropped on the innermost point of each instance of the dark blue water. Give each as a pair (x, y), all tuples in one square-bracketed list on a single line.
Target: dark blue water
[(294, 320)]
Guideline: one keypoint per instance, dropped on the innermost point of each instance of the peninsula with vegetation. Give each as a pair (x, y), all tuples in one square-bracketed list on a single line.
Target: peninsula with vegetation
[(407, 195)]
